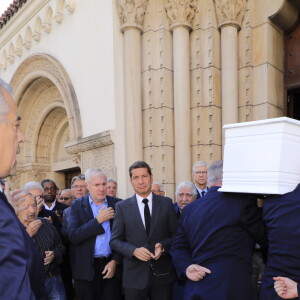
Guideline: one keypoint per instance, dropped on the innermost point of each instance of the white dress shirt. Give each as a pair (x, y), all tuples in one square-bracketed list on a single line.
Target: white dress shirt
[(141, 205), (51, 207)]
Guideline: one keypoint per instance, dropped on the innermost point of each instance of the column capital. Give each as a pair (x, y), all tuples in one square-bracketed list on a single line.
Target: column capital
[(131, 13), (181, 13), (230, 12)]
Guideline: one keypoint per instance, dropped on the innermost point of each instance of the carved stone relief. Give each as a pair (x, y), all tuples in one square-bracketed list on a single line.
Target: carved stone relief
[(230, 12), (131, 13), (181, 12)]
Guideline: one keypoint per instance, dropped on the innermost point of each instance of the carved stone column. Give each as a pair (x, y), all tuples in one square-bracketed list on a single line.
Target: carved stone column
[(230, 14), (131, 13), (180, 14)]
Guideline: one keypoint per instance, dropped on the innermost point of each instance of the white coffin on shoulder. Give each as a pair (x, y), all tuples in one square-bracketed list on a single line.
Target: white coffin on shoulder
[(262, 156)]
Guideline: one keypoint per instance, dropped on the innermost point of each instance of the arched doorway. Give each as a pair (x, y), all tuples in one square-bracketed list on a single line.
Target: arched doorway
[(50, 119)]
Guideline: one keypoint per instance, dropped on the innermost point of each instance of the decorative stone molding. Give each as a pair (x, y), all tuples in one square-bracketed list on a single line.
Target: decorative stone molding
[(37, 36), (43, 21), (70, 5), (27, 44), (58, 18), (46, 27), (92, 142), (18, 51), (131, 13), (181, 12), (230, 12)]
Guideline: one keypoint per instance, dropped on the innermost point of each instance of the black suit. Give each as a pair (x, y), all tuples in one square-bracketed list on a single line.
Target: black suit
[(83, 228), (21, 268), (46, 213), (129, 233)]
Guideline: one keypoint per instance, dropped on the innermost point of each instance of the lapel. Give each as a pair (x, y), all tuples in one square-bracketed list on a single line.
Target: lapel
[(156, 209), (134, 214), (110, 203), (86, 207)]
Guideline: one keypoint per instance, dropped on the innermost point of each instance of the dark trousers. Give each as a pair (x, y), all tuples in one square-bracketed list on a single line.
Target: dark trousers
[(152, 292), (99, 288)]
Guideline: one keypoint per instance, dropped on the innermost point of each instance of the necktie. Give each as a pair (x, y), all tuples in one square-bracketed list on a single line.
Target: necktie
[(203, 193), (147, 216)]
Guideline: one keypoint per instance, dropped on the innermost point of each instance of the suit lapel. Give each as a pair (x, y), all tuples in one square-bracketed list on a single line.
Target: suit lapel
[(136, 216), (86, 207), (155, 212)]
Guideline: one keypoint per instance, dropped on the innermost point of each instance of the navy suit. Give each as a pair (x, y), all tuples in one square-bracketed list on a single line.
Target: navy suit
[(21, 267), (281, 215), (83, 229), (218, 233)]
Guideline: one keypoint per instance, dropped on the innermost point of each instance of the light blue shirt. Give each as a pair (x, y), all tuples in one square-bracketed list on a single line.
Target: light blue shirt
[(102, 247), (200, 191)]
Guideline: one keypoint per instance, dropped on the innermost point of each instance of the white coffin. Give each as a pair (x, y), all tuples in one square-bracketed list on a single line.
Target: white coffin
[(262, 156)]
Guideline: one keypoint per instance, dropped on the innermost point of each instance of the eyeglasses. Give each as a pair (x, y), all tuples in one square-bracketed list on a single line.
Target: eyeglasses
[(185, 194), (77, 187), (201, 172), (64, 198)]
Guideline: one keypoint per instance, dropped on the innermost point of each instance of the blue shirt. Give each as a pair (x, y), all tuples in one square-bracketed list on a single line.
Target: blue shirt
[(102, 247)]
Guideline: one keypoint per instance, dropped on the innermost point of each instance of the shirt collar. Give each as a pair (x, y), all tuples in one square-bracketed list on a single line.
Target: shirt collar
[(140, 199), (92, 202), (200, 191), (1, 190), (51, 207)]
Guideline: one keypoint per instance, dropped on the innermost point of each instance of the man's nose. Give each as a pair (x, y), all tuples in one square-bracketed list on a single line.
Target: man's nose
[(21, 137)]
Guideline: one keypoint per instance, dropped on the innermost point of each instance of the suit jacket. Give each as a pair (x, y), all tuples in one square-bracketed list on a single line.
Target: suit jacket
[(198, 194), (218, 233), (129, 233), (82, 230), (60, 207), (21, 270), (49, 213), (281, 216)]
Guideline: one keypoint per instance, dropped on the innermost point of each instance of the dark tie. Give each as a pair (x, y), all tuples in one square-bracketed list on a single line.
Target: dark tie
[(203, 193), (147, 216)]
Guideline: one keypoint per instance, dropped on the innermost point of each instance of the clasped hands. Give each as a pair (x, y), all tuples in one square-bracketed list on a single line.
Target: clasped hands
[(144, 254)]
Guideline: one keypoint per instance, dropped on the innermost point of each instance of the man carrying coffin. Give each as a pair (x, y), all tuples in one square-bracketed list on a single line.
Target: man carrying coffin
[(214, 244), (281, 215)]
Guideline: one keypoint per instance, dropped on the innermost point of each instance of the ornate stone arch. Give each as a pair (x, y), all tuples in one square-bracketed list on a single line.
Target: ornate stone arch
[(46, 66), (50, 118)]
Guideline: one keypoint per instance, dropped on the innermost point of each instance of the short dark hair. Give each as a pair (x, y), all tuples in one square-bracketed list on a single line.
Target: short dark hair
[(48, 180), (138, 165)]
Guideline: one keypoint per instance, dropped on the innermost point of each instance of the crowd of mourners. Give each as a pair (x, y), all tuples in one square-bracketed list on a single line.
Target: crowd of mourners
[(84, 243), (97, 246)]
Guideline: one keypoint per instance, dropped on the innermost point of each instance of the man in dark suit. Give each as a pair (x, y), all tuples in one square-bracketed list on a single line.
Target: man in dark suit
[(200, 178), (21, 270), (281, 216), (89, 229), (144, 228), (214, 244), (50, 202)]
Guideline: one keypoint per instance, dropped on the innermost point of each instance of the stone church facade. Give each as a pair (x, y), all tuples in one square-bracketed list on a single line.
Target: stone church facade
[(106, 83)]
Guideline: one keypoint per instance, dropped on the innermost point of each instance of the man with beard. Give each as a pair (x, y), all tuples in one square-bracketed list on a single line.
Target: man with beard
[(49, 195), (21, 266)]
